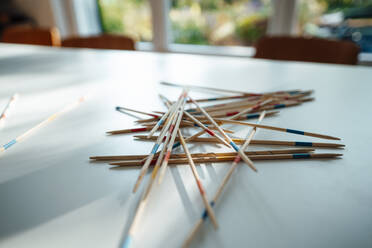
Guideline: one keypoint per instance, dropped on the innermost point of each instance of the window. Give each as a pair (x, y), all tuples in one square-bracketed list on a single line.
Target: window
[(338, 19), (237, 23), (128, 17), (219, 22)]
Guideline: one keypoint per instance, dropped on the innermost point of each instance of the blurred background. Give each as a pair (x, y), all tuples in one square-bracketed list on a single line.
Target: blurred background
[(227, 27)]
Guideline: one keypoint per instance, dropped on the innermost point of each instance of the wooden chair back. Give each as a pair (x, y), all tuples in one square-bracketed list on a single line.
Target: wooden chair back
[(32, 36), (307, 50), (105, 41)]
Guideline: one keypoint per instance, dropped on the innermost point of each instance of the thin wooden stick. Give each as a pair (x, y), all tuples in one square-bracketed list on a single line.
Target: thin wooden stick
[(171, 110), (228, 139), (246, 117), (286, 130), (143, 202), (205, 214), (197, 122), (259, 142), (208, 207), (224, 159), (41, 124), (219, 98), (171, 142), (207, 130), (253, 108), (149, 127), (168, 125), (7, 108), (118, 108), (203, 155), (210, 89)]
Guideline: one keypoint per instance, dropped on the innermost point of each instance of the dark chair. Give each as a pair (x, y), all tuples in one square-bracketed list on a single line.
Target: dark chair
[(32, 36), (105, 41), (307, 50)]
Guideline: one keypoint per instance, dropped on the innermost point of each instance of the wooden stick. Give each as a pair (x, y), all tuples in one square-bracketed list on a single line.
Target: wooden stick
[(208, 207), (221, 114), (253, 108), (144, 197), (246, 117), (219, 98), (168, 125), (171, 142), (286, 130), (198, 123), (118, 108), (203, 155), (150, 127), (41, 124), (7, 108), (210, 89), (207, 130), (228, 139), (205, 214), (224, 159), (186, 123), (260, 142)]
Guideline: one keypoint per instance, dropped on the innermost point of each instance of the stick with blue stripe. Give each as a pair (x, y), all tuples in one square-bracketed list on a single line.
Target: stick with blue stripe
[(227, 138), (224, 182), (164, 117), (143, 202), (171, 142), (49, 119), (208, 207), (158, 142), (197, 122), (253, 108), (286, 130)]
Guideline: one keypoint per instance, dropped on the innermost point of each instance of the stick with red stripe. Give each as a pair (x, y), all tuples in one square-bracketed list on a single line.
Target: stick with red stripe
[(208, 207), (143, 202), (130, 130), (253, 108), (154, 149), (173, 110), (210, 132), (171, 142), (223, 184), (228, 139)]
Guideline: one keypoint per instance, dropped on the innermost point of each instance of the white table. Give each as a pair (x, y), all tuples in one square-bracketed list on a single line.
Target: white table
[(51, 196)]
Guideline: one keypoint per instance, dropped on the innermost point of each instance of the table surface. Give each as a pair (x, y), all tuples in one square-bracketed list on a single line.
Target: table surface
[(52, 196)]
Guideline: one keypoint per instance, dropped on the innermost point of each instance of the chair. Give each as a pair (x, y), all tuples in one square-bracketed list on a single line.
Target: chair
[(32, 36), (307, 50), (105, 41)]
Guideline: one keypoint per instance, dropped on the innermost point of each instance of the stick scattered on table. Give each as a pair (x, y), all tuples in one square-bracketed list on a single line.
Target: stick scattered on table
[(256, 142), (224, 181), (41, 124), (118, 108), (7, 108), (210, 89), (225, 159), (203, 155), (208, 207), (171, 142), (228, 139)]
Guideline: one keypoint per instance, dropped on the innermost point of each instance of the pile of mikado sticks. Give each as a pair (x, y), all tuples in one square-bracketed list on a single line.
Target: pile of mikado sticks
[(209, 120)]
